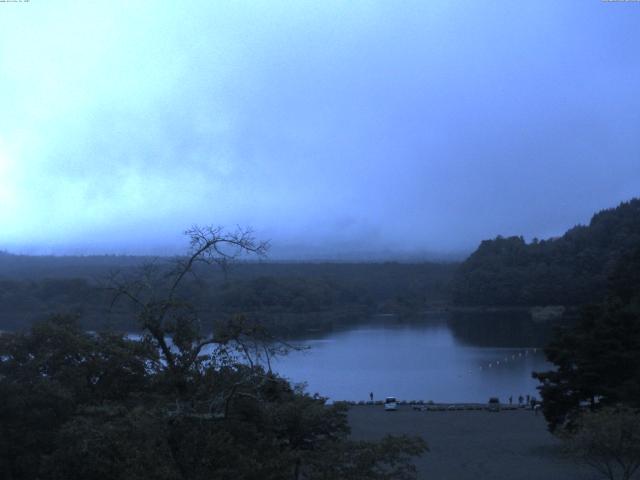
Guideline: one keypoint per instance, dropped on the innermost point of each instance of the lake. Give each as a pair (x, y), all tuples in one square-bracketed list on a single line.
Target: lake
[(440, 359)]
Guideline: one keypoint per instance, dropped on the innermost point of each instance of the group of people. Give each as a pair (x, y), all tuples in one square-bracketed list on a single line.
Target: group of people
[(530, 400)]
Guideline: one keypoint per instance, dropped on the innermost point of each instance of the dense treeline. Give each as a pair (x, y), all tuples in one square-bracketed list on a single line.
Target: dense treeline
[(571, 270), (290, 298)]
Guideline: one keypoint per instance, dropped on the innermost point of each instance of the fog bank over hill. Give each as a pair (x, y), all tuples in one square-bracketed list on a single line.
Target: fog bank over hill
[(341, 126), (277, 253)]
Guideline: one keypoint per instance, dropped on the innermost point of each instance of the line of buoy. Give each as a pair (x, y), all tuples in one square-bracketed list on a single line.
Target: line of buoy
[(505, 360)]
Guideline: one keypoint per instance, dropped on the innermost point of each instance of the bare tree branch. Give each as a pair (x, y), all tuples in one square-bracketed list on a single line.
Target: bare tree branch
[(172, 322)]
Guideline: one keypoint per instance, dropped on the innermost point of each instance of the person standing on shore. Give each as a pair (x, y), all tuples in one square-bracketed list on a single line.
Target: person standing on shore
[(371, 396), (511, 400)]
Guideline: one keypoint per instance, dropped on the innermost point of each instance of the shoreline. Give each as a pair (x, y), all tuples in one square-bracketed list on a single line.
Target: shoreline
[(429, 406)]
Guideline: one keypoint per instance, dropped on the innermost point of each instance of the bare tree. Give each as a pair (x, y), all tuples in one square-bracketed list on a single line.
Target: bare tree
[(169, 320), (608, 441), (171, 323)]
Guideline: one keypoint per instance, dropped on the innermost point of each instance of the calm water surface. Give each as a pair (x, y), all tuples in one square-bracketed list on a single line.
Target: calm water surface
[(429, 360)]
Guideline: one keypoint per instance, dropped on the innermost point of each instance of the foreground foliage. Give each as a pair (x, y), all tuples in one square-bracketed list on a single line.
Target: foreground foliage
[(75, 405), (598, 364), (597, 360), (608, 441), (178, 403)]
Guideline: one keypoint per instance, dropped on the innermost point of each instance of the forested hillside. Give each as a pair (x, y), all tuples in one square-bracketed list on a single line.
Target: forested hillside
[(574, 269)]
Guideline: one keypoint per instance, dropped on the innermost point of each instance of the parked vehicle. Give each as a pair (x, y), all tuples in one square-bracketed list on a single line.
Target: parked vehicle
[(494, 404), (390, 403)]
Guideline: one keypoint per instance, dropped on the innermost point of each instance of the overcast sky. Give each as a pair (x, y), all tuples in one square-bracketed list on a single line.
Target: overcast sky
[(333, 126)]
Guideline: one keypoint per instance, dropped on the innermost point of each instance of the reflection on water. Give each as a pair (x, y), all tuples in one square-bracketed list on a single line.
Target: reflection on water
[(501, 329), (444, 360)]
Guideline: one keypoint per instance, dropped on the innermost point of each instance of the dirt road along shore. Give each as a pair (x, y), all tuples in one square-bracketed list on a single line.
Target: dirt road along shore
[(473, 445)]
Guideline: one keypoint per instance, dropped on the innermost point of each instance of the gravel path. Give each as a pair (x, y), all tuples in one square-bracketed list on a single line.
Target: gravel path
[(473, 445)]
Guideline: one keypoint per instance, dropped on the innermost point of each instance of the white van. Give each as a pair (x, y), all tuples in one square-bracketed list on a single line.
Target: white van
[(390, 403)]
